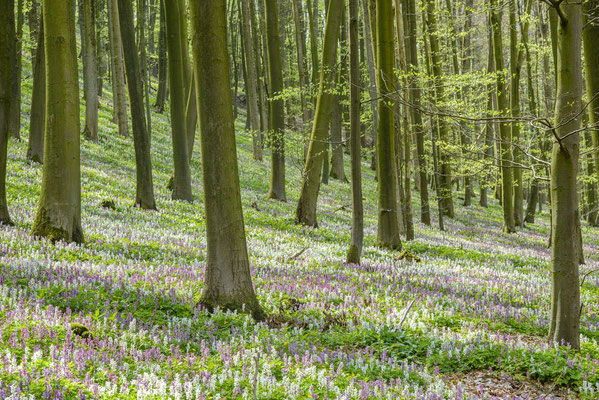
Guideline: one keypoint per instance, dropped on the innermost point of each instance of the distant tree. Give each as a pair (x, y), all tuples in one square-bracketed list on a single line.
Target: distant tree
[(15, 109), (228, 282), (357, 233), (35, 149), (507, 200), (305, 212), (90, 71), (144, 197), (277, 111), (59, 212), (7, 51), (182, 174), (118, 71)]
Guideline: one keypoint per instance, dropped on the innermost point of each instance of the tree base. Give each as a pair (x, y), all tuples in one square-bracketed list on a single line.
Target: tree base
[(254, 310), (353, 255), (43, 227)]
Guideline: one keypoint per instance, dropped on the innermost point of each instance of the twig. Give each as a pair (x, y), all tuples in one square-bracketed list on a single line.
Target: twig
[(406, 314), (299, 253)]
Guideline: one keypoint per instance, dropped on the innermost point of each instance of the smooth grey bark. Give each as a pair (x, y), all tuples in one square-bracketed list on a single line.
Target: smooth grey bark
[(277, 111), (357, 233), (182, 174), (35, 148), (90, 71), (162, 64), (7, 51), (144, 197), (566, 248), (251, 81), (15, 108), (120, 100), (228, 281), (305, 212), (58, 216)]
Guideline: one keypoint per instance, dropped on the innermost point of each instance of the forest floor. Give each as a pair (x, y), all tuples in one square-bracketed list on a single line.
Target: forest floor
[(477, 328)]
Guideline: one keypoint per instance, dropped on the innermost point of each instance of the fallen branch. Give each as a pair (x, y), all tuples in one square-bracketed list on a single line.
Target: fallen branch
[(299, 253), (406, 314)]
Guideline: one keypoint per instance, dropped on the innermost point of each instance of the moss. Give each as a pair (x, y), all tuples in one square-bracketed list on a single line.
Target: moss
[(81, 330)]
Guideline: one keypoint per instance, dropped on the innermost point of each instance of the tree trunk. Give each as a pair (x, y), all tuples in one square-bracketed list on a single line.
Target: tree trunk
[(228, 282), (445, 168), (277, 112), (306, 207), (566, 238), (590, 37), (162, 64), (90, 71), (7, 51), (357, 233), (58, 215), (372, 89), (144, 197), (504, 127), (416, 115), (300, 34), (516, 57), (120, 102), (15, 108), (35, 149), (388, 214), (251, 81), (182, 175)]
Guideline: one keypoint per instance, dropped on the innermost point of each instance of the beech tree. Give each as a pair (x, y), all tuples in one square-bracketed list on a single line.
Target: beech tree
[(228, 282), (7, 50), (58, 215)]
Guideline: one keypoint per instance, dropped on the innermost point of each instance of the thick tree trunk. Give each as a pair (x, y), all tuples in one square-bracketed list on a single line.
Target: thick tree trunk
[(300, 35), (306, 207), (388, 213), (357, 233), (90, 72), (144, 197), (277, 112), (182, 175), (58, 215), (228, 282), (566, 251), (35, 149), (504, 127), (7, 51), (120, 102)]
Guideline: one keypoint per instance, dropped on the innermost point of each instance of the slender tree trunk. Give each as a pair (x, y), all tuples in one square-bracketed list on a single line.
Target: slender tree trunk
[(417, 124), (7, 51), (162, 64), (90, 71), (228, 282), (144, 197), (251, 81), (120, 102), (337, 170), (58, 215), (504, 128), (591, 56), (445, 167), (277, 112), (15, 108), (182, 174), (357, 234), (35, 150), (300, 35), (372, 89), (143, 55), (306, 208), (515, 67), (566, 249), (388, 213)]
